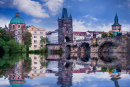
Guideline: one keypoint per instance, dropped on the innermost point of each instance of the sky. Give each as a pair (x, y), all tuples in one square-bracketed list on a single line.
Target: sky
[(97, 15), (78, 80)]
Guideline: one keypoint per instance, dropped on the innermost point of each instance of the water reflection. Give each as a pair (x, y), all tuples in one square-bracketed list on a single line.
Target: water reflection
[(79, 70)]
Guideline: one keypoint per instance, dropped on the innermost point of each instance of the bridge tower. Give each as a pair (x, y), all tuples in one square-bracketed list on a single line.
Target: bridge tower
[(116, 26), (65, 28)]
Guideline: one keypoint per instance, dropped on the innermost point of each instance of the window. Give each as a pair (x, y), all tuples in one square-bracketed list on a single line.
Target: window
[(41, 32), (35, 68), (18, 26), (35, 36), (35, 62), (35, 32), (13, 26), (41, 36), (41, 71), (35, 71), (114, 28), (35, 45), (41, 67), (35, 41), (35, 58)]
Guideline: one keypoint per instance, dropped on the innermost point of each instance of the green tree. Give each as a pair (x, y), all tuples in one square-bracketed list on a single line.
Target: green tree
[(27, 39), (104, 35), (111, 34), (43, 42)]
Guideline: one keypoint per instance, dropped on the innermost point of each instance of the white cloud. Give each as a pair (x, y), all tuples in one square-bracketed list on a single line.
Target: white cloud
[(54, 5), (4, 21), (2, 2), (85, 26), (125, 27), (91, 17), (79, 25), (36, 20), (29, 7)]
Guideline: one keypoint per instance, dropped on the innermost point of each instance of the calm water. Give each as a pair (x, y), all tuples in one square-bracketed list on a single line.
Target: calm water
[(68, 70)]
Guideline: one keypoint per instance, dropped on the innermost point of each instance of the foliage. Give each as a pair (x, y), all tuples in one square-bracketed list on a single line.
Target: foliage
[(75, 45), (104, 35), (8, 61), (44, 50), (27, 38), (5, 36), (15, 47), (95, 45), (103, 69), (3, 47), (27, 64), (111, 34)]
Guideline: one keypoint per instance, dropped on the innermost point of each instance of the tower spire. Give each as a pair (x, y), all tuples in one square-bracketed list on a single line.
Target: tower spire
[(64, 14)]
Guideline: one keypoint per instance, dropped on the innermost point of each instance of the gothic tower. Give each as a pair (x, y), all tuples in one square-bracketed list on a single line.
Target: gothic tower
[(116, 26), (65, 28)]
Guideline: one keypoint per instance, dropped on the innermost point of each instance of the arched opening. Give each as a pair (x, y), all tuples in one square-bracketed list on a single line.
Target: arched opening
[(67, 39), (105, 57), (84, 57), (105, 47), (85, 47)]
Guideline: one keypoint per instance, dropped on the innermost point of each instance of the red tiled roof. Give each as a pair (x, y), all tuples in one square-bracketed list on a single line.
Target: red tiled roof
[(100, 32), (79, 33)]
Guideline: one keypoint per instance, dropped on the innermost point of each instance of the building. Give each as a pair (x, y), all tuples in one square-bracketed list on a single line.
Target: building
[(37, 69), (65, 28), (116, 27), (91, 33), (16, 23), (37, 34), (53, 36), (79, 35)]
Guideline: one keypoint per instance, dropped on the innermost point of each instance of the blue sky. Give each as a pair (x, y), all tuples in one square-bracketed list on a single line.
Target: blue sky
[(87, 14), (78, 80)]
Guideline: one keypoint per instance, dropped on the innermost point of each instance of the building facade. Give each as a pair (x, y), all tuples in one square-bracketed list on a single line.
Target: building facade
[(116, 27), (79, 35), (65, 28), (37, 68), (16, 23), (37, 34)]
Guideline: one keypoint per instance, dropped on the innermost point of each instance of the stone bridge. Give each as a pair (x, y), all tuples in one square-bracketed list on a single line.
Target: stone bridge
[(107, 44)]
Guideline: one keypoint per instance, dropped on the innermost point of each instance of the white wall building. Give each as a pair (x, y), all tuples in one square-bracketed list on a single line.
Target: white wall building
[(37, 34), (37, 69), (79, 35)]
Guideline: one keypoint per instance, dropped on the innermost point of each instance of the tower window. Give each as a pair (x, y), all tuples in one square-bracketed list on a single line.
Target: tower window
[(18, 26), (13, 26)]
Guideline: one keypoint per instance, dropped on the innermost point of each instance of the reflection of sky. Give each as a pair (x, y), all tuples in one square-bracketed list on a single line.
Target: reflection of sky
[(79, 80)]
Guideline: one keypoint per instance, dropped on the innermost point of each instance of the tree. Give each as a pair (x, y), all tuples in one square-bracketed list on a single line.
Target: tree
[(104, 35), (27, 39), (111, 34), (43, 42)]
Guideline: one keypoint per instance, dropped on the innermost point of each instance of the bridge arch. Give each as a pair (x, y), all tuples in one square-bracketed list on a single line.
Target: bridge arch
[(67, 39), (105, 47), (85, 47)]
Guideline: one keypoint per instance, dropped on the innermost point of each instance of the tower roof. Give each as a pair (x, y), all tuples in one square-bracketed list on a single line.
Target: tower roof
[(64, 13), (17, 19), (116, 21)]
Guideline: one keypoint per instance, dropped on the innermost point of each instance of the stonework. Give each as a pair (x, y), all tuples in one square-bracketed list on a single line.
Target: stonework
[(65, 29)]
